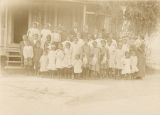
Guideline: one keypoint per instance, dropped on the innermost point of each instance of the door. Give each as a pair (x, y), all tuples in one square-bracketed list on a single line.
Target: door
[(20, 24)]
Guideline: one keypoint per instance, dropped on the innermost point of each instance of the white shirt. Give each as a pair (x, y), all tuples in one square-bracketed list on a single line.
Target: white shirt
[(28, 52)]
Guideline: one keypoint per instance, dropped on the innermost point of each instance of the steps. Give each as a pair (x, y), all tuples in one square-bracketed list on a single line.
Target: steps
[(14, 59)]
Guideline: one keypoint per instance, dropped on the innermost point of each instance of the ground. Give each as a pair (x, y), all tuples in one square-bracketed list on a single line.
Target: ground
[(29, 95)]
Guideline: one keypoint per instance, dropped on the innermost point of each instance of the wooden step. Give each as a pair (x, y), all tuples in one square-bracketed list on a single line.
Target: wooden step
[(19, 56), (14, 67), (14, 61)]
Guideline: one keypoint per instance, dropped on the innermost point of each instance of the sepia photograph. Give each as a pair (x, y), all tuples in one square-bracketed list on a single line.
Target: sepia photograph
[(79, 57)]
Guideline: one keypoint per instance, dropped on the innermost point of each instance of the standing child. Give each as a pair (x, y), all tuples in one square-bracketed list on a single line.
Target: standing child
[(59, 60), (104, 59), (28, 55), (37, 54), (44, 62), (112, 55), (134, 61), (85, 55), (126, 68), (47, 44), (119, 57), (77, 65), (95, 60), (68, 60), (52, 60)]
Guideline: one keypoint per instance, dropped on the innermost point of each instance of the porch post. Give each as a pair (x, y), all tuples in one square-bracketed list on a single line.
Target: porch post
[(84, 15), (55, 17), (29, 18), (6, 28)]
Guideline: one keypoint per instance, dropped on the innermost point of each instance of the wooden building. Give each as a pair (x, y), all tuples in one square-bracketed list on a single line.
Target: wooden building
[(17, 17)]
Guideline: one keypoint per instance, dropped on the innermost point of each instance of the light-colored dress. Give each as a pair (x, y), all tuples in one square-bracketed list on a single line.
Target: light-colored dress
[(119, 57), (134, 64), (125, 48), (28, 55), (126, 68), (67, 62), (112, 56), (77, 64), (56, 37), (44, 33), (44, 63), (31, 32), (59, 58), (52, 60)]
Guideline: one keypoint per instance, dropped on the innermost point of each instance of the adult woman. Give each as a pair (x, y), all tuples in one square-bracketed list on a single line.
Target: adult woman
[(140, 50)]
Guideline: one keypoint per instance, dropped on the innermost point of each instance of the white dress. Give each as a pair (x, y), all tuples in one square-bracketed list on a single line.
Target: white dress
[(52, 60), (125, 48), (56, 37), (126, 69), (44, 33), (119, 57), (31, 32), (76, 49), (43, 63), (99, 42), (28, 52), (59, 58), (134, 64), (112, 56), (67, 62), (77, 64)]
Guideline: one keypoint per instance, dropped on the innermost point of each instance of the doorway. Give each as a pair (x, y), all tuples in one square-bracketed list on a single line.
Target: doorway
[(20, 20)]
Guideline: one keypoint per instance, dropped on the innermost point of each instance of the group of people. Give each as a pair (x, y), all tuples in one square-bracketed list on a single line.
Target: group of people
[(84, 55)]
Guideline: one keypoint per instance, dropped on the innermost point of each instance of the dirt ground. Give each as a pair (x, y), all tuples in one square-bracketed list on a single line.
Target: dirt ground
[(22, 95)]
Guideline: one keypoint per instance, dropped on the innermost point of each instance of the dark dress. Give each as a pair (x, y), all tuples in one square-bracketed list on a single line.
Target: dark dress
[(141, 60)]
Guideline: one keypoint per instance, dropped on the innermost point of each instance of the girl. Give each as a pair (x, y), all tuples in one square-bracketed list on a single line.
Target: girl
[(32, 31), (68, 60), (134, 62), (47, 44), (126, 68), (85, 56), (125, 46), (95, 58), (44, 33), (56, 38), (77, 65), (28, 55), (112, 55), (37, 54), (104, 59), (119, 57), (59, 60), (44, 62), (52, 60)]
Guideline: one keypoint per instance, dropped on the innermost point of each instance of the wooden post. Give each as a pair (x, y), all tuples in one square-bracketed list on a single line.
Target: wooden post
[(6, 27), (55, 17), (84, 15)]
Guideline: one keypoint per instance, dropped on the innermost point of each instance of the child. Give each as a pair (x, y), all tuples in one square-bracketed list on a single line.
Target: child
[(47, 44), (28, 55), (85, 56), (77, 65), (56, 37), (125, 46), (22, 44), (95, 54), (59, 60), (44, 33), (112, 55), (126, 67), (52, 60), (37, 54), (119, 57), (134, 62), (44, 62), (104, 59), (68, 60)]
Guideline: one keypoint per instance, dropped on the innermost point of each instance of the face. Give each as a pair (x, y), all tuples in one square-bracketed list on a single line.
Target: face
[(48, 38), (67, 45), (60, 46)]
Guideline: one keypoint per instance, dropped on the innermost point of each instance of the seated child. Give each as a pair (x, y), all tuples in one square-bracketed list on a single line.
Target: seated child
[(37, 55)]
